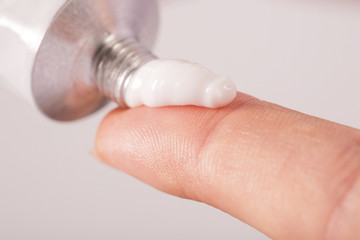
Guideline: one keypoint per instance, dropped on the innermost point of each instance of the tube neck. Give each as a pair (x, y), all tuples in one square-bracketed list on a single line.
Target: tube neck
[(115, 61)]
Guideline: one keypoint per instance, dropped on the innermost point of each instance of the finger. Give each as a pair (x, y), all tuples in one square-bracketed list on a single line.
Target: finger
[(285, 173)]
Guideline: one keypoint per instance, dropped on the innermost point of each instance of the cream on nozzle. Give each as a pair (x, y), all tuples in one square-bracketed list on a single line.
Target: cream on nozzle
[(177, 82), (70, 56)]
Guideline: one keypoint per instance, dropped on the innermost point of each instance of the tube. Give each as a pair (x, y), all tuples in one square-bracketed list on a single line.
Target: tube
[(70, 57)]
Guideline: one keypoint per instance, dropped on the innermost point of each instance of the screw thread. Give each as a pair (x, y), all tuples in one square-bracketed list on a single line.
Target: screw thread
[(114, 62)]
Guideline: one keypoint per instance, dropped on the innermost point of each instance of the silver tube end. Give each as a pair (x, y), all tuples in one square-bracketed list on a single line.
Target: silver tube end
[(63, 82)]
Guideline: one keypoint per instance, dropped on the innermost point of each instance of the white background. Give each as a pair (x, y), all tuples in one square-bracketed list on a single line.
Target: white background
[(304, 55)]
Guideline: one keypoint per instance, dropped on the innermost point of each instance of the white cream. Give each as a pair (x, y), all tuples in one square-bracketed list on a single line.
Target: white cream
[(177, 82)]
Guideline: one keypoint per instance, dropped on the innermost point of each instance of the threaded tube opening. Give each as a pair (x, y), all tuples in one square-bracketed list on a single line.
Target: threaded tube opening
[(114, 63)]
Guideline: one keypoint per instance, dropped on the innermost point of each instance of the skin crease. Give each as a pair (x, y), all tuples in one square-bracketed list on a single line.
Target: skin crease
[(289, 175)]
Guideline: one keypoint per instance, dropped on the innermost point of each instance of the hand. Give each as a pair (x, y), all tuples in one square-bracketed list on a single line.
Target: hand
[(290, 175)]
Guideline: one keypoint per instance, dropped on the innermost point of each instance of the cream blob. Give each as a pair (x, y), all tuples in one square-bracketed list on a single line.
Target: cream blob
[(162, 83)]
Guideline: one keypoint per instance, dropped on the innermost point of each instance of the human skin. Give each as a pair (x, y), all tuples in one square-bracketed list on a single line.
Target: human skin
[(289, 175)]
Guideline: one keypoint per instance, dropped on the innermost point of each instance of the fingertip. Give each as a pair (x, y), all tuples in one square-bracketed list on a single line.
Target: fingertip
[(158, 145), (123, 132)]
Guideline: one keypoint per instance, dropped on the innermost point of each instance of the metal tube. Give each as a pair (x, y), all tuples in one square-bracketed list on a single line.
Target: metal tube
[(71, 54)]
